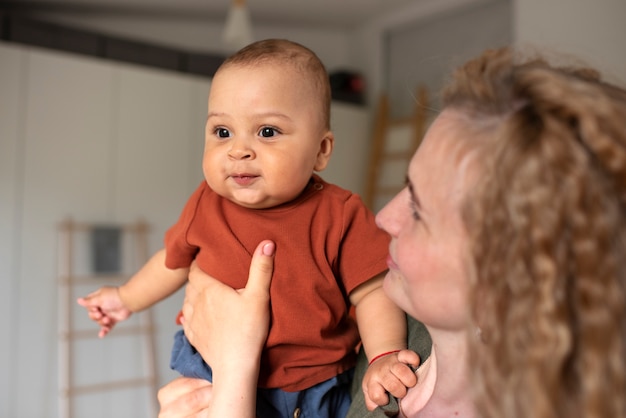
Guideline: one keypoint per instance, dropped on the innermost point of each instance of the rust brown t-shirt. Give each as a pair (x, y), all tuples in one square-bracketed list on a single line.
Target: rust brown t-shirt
[(327, 244)]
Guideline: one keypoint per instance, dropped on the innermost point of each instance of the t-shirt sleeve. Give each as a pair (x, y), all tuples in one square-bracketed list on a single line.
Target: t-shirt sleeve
[(364, 245), (179, 253)]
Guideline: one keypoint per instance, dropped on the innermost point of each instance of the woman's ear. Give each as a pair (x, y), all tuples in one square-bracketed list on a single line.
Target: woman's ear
[(326, 149)]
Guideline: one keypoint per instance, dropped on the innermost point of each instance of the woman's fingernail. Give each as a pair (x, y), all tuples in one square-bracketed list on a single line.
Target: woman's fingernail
[(268, 249)]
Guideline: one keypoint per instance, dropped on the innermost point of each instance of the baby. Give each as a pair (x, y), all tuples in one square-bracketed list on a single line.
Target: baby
[(267, 133)]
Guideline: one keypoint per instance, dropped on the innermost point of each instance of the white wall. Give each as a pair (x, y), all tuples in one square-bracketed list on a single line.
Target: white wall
[(593, 31), (368, 41), (415, 60)]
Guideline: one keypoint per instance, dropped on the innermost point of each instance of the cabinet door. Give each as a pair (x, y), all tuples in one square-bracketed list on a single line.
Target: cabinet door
[(199, 110), (155, 128), (11, 158), (66, 167)]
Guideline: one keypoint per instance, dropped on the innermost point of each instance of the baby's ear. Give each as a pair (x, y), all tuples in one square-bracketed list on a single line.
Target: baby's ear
[(326, 149)]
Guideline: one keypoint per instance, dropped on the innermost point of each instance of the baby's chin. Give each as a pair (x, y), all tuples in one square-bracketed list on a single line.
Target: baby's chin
[(265, 203)]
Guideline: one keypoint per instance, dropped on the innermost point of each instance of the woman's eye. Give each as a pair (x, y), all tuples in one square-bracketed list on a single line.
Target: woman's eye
[(414, 212), (222, 133), (413, 206), (267, 132)]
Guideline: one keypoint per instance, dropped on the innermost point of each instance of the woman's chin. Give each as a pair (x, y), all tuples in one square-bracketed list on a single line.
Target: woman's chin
[(393, 287)]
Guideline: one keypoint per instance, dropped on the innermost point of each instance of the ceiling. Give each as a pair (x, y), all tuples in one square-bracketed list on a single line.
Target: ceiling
[(304, 13)]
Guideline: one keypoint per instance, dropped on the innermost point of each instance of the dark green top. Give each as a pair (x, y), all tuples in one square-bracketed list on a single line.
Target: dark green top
[(418, 341)]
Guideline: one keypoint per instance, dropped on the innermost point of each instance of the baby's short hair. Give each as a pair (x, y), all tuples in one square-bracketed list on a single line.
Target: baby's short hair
[(290, 53)]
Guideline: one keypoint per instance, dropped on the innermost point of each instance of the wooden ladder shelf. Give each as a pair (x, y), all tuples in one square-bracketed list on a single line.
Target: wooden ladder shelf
[(394, 143), (75, 360)]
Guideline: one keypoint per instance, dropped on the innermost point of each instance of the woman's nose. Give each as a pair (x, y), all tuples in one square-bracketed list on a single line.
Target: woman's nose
[(389, 218)]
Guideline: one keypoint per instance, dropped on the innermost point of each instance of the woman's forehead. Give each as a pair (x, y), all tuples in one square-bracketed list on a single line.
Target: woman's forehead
[(443, 167)]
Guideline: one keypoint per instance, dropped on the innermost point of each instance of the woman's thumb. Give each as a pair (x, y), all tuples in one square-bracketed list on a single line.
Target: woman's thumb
[(262, 267)]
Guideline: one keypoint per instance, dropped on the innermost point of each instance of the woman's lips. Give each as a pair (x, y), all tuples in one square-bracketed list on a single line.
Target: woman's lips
[(391, 264)]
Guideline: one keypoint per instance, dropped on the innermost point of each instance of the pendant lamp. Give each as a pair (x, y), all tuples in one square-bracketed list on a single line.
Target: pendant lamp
[(238, 29)]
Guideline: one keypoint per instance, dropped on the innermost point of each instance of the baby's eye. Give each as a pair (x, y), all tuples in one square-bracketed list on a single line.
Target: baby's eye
[(222, 133), (267, 132)]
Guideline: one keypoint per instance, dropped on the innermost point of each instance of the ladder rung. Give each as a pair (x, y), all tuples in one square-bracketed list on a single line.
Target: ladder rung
[(397, 155), (114, 385), (99, 279), (394, 142), (118, 332), (86, 226), (401, 121)]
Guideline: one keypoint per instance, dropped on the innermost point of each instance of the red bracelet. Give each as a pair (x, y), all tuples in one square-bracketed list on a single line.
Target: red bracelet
[(383, 355)]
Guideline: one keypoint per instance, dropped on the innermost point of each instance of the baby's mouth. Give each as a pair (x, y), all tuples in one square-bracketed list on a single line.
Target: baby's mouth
[(244, 179)]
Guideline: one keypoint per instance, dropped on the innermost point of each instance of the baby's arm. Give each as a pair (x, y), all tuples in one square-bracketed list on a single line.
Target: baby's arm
[(382, 325), (152, 283)]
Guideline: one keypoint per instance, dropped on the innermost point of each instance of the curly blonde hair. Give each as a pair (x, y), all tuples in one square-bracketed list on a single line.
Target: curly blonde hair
[(547, 222)]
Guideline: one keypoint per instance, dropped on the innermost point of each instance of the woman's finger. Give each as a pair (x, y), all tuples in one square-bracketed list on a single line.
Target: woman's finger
[(261, 268), (184, 394)]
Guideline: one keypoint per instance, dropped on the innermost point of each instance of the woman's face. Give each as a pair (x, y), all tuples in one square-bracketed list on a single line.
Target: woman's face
[(428, 275)]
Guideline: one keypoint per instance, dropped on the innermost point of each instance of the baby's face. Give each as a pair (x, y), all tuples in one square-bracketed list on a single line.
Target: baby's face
[(264, 135)]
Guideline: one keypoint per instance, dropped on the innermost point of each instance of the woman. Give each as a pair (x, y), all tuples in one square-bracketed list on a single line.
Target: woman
[(507, 243)]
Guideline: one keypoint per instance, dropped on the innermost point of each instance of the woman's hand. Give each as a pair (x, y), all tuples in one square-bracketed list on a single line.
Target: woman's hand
[(185, 397), (220, 321), (228, 327)]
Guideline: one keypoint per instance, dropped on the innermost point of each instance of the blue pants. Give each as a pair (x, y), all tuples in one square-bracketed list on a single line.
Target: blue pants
[(329, 399)]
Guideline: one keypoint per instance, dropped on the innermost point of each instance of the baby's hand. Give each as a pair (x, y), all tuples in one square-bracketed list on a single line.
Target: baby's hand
[(390, 374), (105, 307)]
